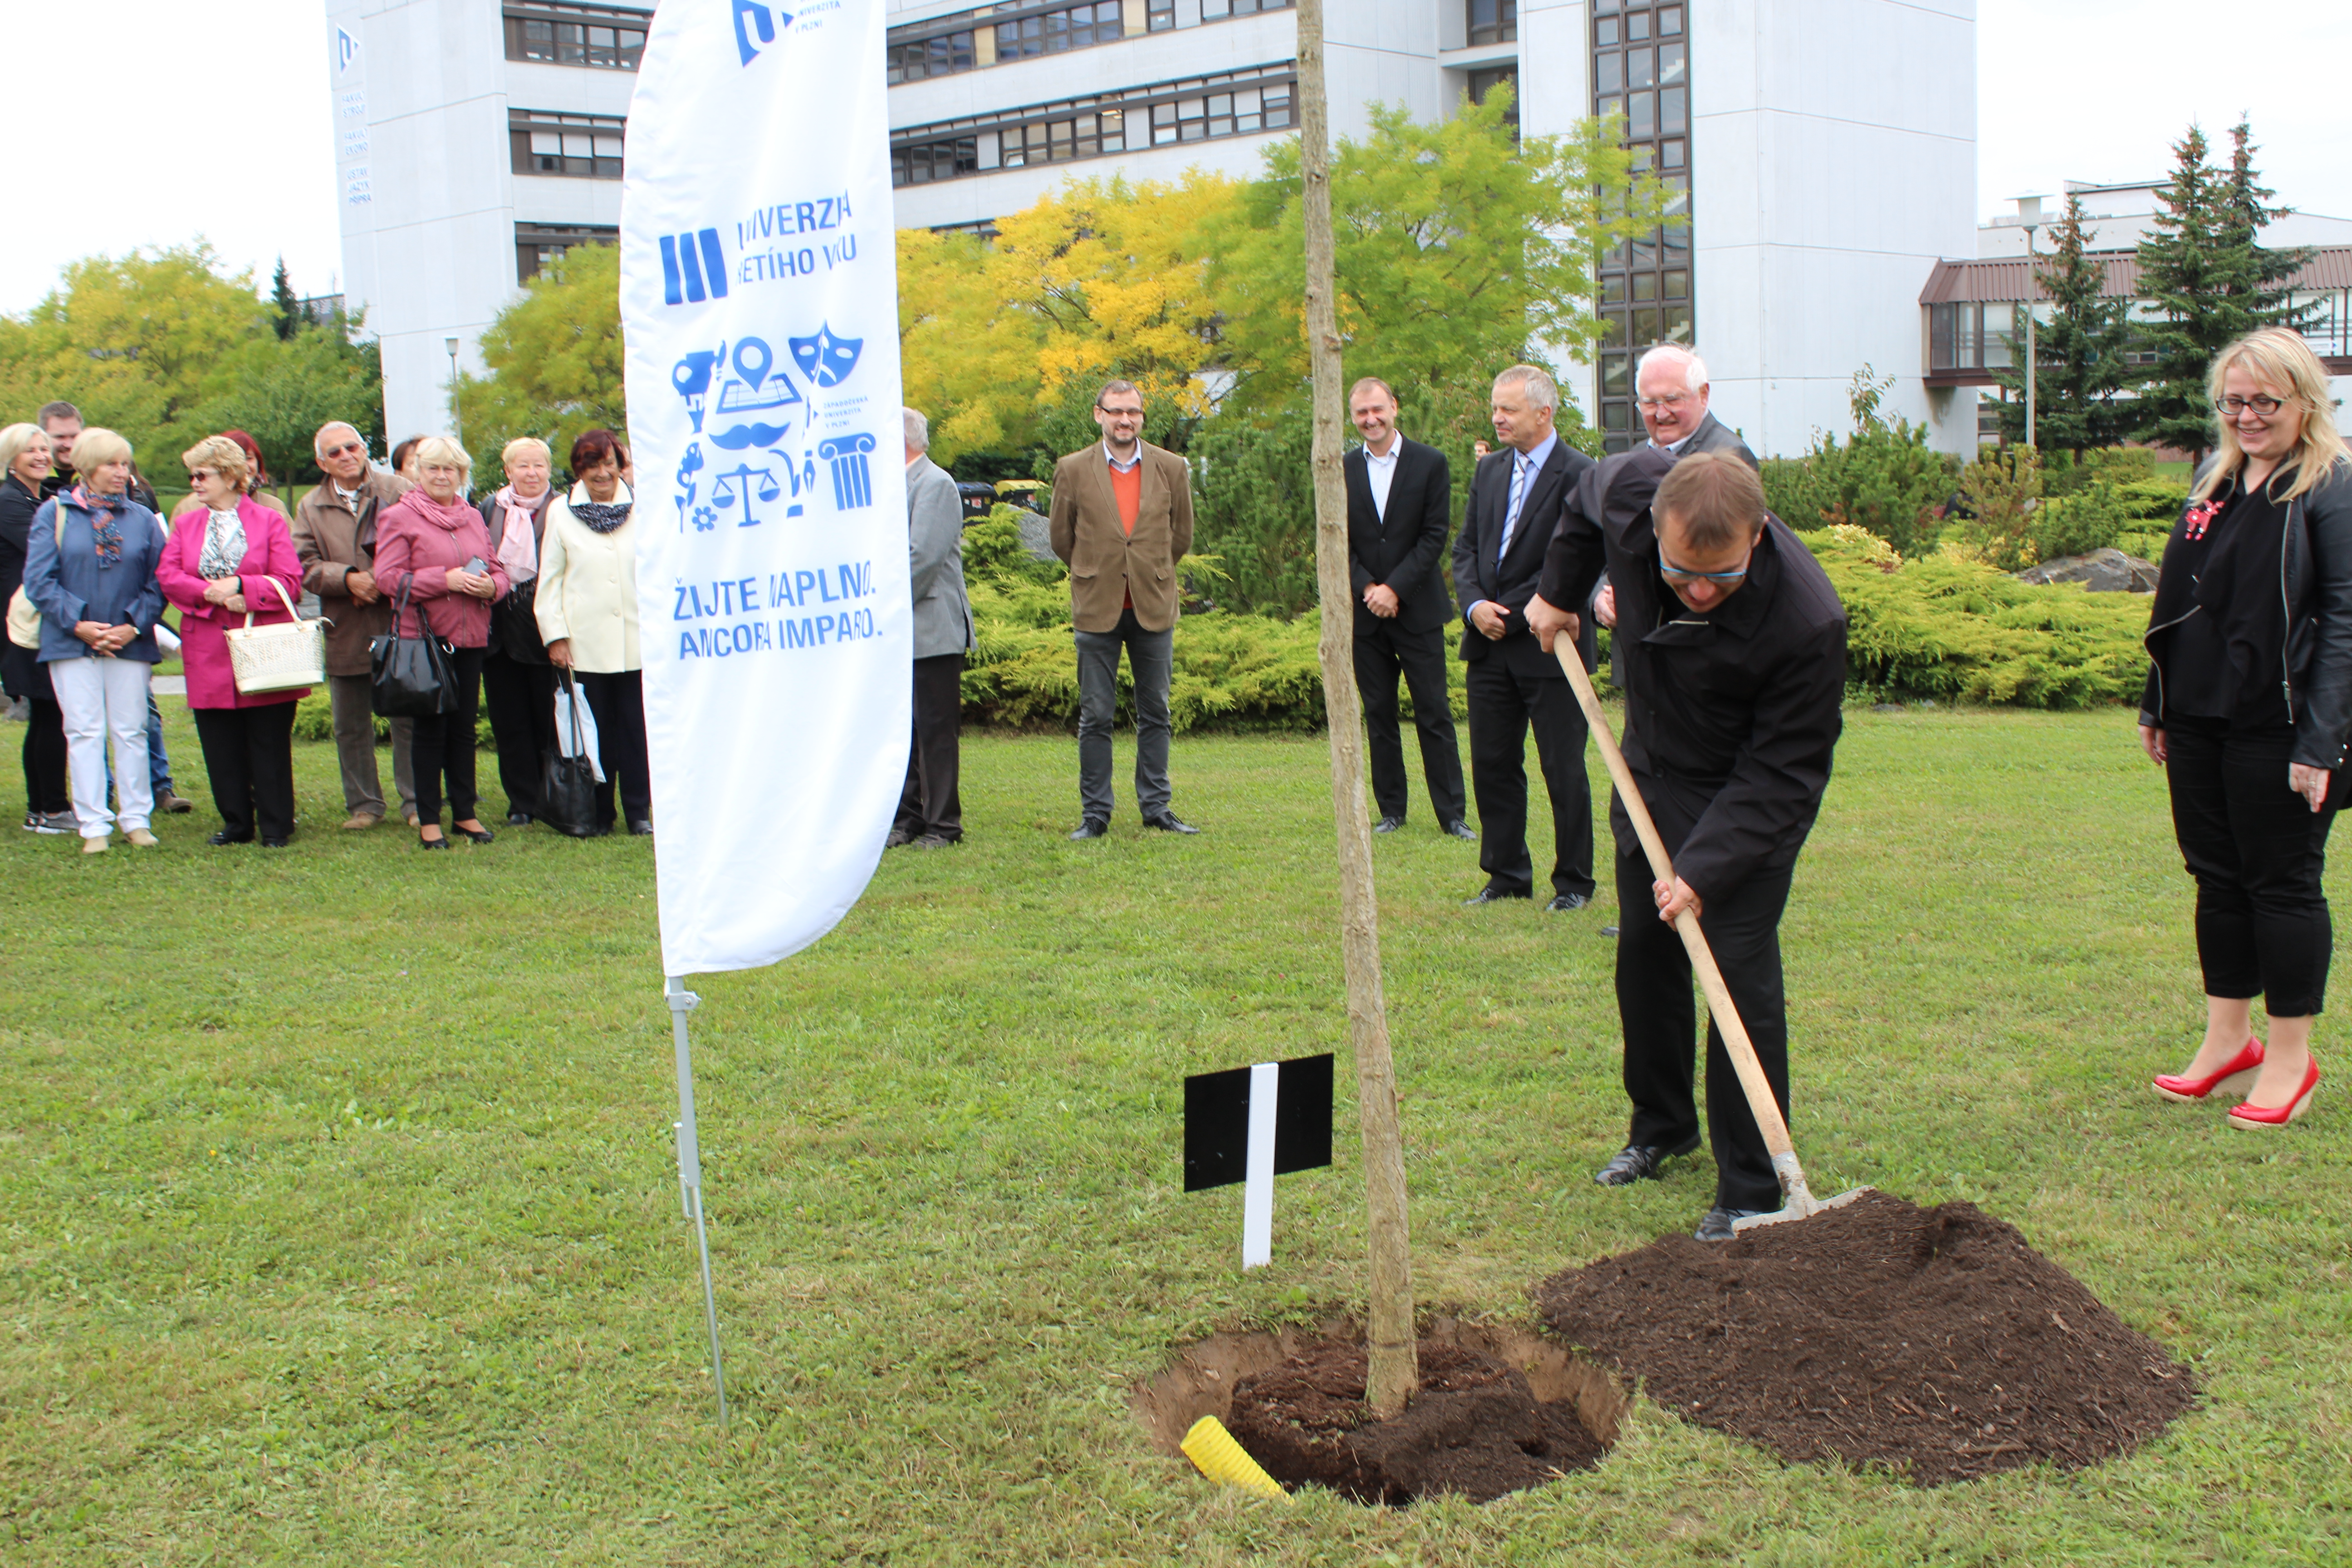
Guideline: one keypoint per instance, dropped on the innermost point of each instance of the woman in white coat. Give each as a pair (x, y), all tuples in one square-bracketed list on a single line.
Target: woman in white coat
[(587, 609)]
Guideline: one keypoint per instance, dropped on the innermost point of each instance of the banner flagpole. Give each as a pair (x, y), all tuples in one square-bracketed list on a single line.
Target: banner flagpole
[(690, 1168)]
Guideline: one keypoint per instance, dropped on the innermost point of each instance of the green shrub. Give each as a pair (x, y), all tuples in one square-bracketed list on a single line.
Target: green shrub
[(2092, 518), (1954, 629), (1884, 480)]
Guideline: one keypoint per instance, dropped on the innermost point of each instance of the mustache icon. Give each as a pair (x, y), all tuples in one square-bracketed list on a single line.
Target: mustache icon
[(743, 436)]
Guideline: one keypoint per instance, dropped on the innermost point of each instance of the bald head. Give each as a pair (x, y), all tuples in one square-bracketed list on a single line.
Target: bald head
[(1672, 386)]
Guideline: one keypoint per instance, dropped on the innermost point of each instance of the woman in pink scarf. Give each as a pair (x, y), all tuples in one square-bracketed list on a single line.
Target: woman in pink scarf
[(517, 683), (433, 547)]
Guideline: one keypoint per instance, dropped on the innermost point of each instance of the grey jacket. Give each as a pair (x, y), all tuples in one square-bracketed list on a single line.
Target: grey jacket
[(1714, 435), (935, 561)]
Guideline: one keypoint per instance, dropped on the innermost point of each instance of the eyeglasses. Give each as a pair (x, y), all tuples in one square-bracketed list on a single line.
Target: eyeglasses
[(2233, 406), (1677, 577), (1122, 413), (346, 447), (198, 476), (1676, 401)]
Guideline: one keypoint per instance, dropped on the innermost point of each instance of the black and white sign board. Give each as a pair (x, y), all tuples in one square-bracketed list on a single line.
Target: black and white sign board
[(1252, 1124)]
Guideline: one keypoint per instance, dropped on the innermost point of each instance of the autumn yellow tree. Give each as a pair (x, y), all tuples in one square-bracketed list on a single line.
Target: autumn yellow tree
[(969, 358)]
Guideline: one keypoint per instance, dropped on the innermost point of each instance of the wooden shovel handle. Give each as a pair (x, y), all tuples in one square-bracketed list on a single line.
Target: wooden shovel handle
[(1742, 1051)]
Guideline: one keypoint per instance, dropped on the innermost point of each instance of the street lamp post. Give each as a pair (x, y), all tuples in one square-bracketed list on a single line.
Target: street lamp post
[(457, 421), (2029, 213)]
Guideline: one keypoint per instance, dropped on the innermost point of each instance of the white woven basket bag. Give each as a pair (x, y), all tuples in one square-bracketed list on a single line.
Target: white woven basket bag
[(281, 657)]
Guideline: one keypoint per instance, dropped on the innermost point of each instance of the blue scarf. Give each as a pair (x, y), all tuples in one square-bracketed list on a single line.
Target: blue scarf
[(102, 523)]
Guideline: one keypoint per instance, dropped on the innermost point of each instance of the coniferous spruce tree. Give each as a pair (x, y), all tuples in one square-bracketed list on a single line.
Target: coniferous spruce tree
[(2082, 347), (286, 307), (2210, 279)]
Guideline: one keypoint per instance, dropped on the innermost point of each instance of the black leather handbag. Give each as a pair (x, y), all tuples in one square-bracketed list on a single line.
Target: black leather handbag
[(411, 677), (567, 785), (517, 619)]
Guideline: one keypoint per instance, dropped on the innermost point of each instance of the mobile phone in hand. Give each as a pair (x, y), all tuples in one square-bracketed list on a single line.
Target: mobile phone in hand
[(475, 567)]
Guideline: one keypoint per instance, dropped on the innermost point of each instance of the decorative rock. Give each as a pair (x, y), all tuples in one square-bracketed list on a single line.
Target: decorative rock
[(2108, 570), (1036, 536)]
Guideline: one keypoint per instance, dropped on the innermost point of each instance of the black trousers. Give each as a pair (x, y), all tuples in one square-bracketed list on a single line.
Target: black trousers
[(2257, 851), (249, 759), (1503, 706), (1656, 1010), (618, 700), (441, 749), (45, 758), (932, 802), (1384, 651), (521, 698)]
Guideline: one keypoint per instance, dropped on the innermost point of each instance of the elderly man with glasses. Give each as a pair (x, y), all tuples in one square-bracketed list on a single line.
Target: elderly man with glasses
[(334, 536), (1731, 647)]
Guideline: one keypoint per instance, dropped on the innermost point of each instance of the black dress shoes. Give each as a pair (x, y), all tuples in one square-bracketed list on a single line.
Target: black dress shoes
[(1640, 1162), (1564, 902), (1717, 1225), (276, 843), (1491, 894), (226, 837), (898, 838), (1608, 930), (640, 827), (518, 819), (1457, 829), (1169, 822), (1388, 824), (478, 835), (1092, 827)]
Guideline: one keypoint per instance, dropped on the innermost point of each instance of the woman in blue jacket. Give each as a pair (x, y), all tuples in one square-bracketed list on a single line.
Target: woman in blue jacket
[(89, 569)]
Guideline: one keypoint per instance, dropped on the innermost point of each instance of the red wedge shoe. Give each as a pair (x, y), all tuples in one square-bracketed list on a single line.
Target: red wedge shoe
[(2257, 1117), (2237, 1076)]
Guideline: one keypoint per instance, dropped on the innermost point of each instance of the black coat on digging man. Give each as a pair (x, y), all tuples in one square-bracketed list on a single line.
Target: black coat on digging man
[(1730, 645)]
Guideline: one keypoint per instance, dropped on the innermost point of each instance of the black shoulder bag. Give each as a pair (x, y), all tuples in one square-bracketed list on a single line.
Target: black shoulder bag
[(410, 676)]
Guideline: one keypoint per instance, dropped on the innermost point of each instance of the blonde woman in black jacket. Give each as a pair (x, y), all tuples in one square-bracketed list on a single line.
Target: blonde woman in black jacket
[(2248, 710)]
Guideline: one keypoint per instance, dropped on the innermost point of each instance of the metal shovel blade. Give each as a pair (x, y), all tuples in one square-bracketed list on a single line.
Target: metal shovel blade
[(1784, 1216)]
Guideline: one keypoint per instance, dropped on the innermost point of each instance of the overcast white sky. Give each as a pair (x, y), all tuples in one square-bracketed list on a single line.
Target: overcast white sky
[(212, 121)]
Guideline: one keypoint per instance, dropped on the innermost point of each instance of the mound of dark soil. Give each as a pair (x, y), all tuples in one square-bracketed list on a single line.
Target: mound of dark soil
[(1932, 1341), (1475, 1427)]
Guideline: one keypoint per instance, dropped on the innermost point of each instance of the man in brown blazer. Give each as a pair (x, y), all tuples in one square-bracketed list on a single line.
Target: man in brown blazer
[(334, 536), (1121, 519)]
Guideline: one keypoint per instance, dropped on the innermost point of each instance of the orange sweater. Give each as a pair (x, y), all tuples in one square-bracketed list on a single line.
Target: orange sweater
[(1126, 488)]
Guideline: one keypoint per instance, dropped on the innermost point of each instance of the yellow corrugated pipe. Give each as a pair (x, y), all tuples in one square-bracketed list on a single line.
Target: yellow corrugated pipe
[(1213, 1450)]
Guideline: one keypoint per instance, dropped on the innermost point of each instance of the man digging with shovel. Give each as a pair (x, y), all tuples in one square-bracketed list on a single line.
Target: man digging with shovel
[(1730, 645)]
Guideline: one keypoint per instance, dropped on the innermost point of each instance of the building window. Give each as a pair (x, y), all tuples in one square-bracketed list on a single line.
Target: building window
[(1214, 10), (609, 38), (584, 146), (1641, 70), (1159, 16), (1052, 32), (921, 59), (1494, 22), (539, 245), (1485, 82), (1200, 108)]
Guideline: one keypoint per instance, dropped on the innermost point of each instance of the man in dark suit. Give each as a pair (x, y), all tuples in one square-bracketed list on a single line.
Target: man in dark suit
[(1515, 683), (1671, 389), (1400, 494), (1731, 644)]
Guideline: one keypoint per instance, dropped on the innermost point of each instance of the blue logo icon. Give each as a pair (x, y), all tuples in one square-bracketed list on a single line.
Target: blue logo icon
[(757, 14), (684, 278), (347, 49), (852, 480), (825, 359)]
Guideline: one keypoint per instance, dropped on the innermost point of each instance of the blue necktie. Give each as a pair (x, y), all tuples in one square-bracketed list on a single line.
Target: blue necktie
[(1519, 466)]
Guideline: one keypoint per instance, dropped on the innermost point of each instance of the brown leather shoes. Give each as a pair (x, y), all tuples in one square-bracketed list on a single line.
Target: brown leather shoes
[(359, 822)]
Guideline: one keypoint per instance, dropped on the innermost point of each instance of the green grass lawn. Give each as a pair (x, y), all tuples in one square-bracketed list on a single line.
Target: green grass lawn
[(338, 1221)]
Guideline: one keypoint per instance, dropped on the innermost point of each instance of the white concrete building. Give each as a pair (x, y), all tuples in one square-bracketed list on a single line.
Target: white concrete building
[(1826, 148)]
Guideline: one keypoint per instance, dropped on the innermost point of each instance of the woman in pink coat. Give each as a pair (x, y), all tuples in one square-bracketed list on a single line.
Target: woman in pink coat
[(226, 555), (435, 548)]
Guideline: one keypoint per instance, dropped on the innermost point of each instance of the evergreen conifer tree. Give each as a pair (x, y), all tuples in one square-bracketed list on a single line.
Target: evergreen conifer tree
[(2209, 280), (2080, 348), (286, 307)]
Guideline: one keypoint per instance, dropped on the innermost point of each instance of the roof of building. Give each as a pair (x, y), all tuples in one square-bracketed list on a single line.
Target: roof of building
[(2006, 279)]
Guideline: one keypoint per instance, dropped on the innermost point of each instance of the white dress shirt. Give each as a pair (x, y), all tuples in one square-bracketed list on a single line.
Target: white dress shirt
[(1380, 473)]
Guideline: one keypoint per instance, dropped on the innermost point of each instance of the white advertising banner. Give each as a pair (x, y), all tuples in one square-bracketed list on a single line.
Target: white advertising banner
[(758, 295)]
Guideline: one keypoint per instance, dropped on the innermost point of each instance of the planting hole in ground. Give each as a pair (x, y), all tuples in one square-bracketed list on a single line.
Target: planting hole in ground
[(1499, 1410)]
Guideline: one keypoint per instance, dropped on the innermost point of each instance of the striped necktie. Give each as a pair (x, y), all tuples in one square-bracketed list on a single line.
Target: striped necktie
[(1519, 466)]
